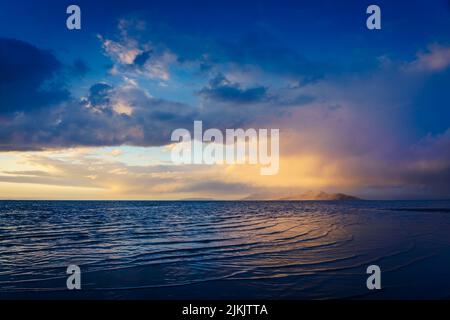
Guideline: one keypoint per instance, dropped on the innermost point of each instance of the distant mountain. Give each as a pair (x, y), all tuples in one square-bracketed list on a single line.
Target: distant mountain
[(306, 196)]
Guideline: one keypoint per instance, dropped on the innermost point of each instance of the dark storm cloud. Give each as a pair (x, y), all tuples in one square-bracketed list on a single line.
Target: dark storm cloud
[(94, 121), (98, 120), (38, 113), (99, 94), (221, 89), (28, 77)]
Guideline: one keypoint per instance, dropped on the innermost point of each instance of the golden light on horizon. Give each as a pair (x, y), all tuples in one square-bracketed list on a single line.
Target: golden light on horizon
[(76, 173)]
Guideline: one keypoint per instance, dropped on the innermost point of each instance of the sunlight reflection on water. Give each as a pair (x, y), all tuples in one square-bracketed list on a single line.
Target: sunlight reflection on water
[(223, 249)]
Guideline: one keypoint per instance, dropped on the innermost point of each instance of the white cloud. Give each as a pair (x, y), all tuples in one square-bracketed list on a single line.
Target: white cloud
[(436, 58), (135, 58)]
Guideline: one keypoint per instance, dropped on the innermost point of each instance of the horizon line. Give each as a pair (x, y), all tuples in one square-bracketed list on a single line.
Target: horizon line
[(223, 200)]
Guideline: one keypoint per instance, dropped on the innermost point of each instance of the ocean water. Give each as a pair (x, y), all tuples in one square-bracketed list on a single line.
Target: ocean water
[(224, 250)]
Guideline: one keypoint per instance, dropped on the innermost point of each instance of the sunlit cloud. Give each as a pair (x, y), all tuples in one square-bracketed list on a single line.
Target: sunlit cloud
[(349, 126)]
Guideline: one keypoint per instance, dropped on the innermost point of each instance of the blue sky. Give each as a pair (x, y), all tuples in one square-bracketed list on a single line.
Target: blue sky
[(373, 101)]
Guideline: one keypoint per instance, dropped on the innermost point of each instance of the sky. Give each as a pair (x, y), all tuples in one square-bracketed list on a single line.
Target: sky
[(88, 114)]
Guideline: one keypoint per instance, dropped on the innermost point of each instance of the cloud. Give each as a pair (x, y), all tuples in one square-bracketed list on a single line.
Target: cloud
[(118, 180), (421, 171), (133, 57), (99, 95), (116, 153), (267, 51), (109, 116), (337, 129), (154, 49), (28, 77), (435, 59), (222, 90), (142, 58)]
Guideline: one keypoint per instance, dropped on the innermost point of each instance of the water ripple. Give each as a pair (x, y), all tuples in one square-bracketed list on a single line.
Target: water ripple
[(253, 249)]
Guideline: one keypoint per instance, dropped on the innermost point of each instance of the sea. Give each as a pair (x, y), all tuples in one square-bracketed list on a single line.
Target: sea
[(214, 250)]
